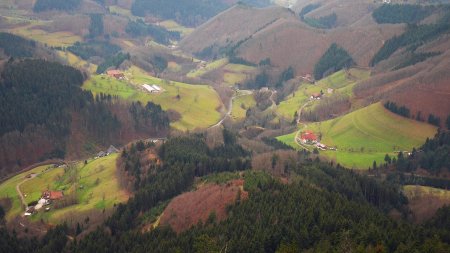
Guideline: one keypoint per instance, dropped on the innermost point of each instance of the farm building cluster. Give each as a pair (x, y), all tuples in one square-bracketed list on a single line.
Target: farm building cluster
[(310, 138), (152, 88), (116, 74), (110, 150), (46, 199)]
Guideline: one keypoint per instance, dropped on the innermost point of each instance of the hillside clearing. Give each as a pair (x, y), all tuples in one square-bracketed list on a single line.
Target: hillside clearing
[(197, 104), (367, 135)]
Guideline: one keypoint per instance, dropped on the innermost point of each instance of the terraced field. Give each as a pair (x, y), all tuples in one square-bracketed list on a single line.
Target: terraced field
[(368, 134), (197, 104)]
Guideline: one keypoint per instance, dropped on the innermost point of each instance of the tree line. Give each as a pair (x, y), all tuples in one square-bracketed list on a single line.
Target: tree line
[(401, 13), (48, 5), (334, 59), (16, 46), (159, 34), (324, 208), (413, 37)]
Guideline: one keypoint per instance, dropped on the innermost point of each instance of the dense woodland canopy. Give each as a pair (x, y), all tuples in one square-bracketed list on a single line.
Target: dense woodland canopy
[(16, 46), (60, 5), (401, 13), (413, 37), (334, 59), (186, 12), (88, 49), (324, 209), (37, 102), (159, 34)]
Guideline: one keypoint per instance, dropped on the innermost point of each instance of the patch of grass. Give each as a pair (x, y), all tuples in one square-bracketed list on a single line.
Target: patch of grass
[(97, 188), (294, 101), (241, 104), (77, 62), (8, 190), (341, 82), (114, 9), (288, 139), (197, 103), (232, 79), (171, 25), (55, 39), (209, 67), (417, 191), (366, 135)]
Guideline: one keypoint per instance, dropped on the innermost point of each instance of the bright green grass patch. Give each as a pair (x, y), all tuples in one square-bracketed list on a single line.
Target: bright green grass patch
[(294, 101), (289, 139), (232, 79), (241, 104), (8, 190), (209, 67), (197, 104), (96, 189), (171, 25), (341, 82), (77, 62), (368, 134)]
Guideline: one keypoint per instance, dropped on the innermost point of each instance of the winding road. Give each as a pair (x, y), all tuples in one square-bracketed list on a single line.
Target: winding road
[(22, 197), (299, 114), (230, 107)]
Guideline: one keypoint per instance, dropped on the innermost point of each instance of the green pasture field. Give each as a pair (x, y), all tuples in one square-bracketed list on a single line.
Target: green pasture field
[(237, 111), (197, 104)]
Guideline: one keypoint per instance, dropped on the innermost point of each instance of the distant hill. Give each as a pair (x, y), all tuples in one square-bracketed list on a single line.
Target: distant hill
[(277, 33), (187, 12)]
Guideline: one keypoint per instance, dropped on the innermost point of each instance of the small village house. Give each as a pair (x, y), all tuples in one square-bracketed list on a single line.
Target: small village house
[(52, 195), (115, 73), (308, 137)]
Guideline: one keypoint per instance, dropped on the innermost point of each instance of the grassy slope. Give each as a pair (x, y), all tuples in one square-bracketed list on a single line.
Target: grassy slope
[(366, 135), (237, 111), (62, 39), (340, 82), (8, 190), (92, 197), (77, 62), (197, 105), (209, 67), (237, 73)]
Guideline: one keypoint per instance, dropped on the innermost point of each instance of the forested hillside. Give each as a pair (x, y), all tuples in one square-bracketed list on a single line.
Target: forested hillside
[(334, 59), (187, 12), (414, 37), (38, 101), (48, 5), (16, 46), (324, 208), (401, 13)]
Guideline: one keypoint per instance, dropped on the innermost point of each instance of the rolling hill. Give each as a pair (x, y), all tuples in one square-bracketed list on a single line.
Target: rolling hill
[(277, 33), (368, 134)]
